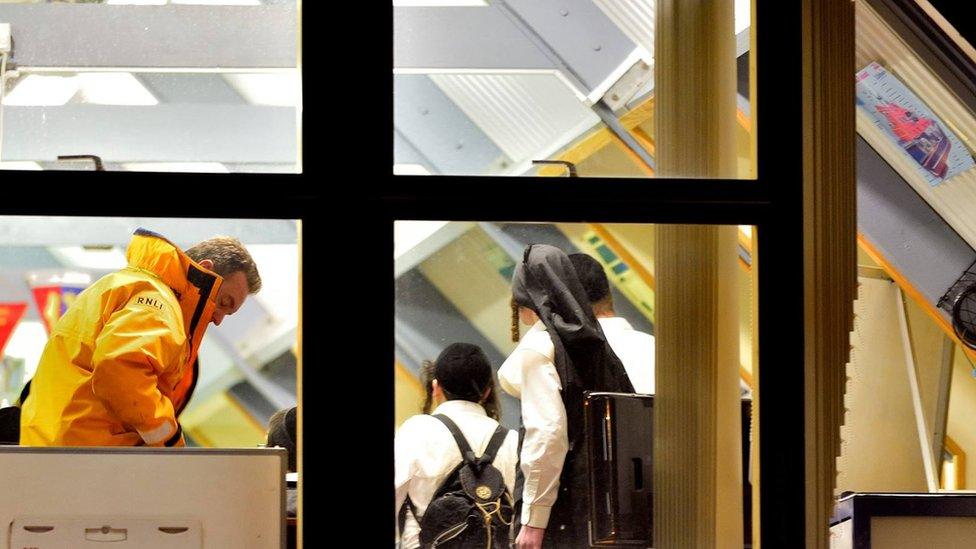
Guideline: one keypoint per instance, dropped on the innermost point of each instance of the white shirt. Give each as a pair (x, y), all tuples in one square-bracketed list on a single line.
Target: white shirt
[(529, 374), (425, 453), (635, 349)]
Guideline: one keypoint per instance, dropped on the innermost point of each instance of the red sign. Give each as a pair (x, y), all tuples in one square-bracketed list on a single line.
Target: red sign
[(10, 315), (53, 301)]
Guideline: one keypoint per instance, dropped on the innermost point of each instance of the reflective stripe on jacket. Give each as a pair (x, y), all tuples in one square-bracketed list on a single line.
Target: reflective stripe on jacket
[(120, 364)]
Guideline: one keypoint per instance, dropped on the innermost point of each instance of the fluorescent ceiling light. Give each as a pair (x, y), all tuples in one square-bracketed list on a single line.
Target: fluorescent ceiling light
[(108, 88), (277, 89), (20, 165), (409, 169), (192, 167), (79, 257), (42, 91), (440, 3)]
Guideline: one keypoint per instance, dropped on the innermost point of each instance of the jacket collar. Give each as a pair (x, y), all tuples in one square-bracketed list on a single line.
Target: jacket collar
[(195, 287), (152, 252)]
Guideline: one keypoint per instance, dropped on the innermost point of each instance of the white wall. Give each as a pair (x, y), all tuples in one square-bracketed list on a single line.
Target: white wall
[(880, 451)]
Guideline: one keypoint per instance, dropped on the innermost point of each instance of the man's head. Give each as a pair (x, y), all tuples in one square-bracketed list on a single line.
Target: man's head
[(462, 372), (228, 258), (282, 432), (594, 280)]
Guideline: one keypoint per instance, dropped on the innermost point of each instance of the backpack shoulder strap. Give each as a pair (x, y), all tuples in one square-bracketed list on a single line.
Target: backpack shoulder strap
[(466, 453), (493, 445), (402, 515)]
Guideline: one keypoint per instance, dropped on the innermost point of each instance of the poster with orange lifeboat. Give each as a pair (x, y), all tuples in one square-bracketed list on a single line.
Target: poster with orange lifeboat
[(903, 117)]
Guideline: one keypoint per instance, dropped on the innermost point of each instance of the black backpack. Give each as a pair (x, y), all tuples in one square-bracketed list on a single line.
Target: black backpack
[(472, 507)]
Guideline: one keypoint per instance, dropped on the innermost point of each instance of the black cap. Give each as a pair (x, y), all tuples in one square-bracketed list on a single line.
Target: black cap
[(592, 276), (463, 371)]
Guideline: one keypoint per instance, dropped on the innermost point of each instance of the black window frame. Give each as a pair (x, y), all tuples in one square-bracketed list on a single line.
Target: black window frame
[(772, 203)]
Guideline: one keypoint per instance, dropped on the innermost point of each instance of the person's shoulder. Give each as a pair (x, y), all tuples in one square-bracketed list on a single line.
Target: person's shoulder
[(493, 425), (145, 290), (622, 326), (642, 335), (538, 341), (416, 425), (128, 282)]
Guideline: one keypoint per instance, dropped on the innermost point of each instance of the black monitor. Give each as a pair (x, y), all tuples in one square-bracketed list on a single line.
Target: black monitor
[(620, 449)]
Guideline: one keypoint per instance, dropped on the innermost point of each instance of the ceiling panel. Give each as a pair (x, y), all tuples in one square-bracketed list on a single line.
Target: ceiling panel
[(634, 17), (529, 116), (47, 35)]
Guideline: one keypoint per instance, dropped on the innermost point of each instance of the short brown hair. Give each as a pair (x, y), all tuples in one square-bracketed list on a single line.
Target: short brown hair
[(282, 432), (229, 256)]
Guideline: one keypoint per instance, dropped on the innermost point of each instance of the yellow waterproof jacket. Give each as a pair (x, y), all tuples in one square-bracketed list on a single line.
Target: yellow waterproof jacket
[(120, 364)]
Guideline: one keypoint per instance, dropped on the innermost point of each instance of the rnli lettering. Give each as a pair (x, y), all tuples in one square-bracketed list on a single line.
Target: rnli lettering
[(150, 302)]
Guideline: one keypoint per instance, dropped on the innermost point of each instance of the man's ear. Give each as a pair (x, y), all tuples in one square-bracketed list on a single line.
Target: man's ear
[(206, 264)]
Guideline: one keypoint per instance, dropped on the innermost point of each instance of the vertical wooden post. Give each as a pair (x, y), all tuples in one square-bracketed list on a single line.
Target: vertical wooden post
[(829, 245), (697, 455)]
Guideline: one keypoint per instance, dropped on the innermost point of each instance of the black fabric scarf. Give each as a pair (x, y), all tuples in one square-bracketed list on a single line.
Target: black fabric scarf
[(546, 282)]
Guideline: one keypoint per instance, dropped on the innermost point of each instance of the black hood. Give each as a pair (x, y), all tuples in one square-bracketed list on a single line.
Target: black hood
[(546, 282)]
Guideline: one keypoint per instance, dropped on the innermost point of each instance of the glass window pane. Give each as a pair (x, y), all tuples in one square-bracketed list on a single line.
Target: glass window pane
[(453, 283), (212, 87), (475, 95), (248, 364)]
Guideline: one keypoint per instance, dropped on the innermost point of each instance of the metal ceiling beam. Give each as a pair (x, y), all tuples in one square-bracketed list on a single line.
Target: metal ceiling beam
[(613, 124), (19, 230), (404, 152), (579, 37), (268, 389), (434, 125), (905, 229), (174, 36), (462, 38), (575, 39), (155, 133), (190, 88)]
